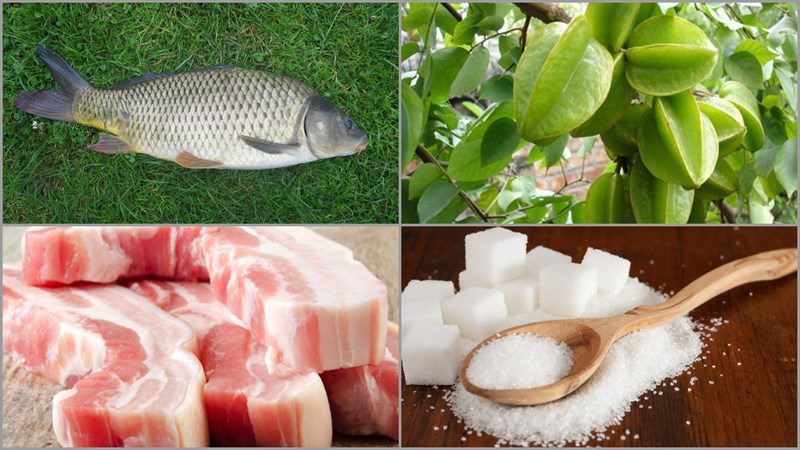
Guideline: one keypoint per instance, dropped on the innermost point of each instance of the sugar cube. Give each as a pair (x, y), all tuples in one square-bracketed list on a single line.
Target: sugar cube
[(495, 255), (633, 294), (432, 354), (566, 288), (423, 311), (428, 289), (541, 257), (476, 311), (612, 270), (468, 280), (521, 294)]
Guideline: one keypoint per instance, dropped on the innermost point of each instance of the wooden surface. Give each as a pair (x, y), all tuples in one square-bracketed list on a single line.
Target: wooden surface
[(754, 404), (27, 398)]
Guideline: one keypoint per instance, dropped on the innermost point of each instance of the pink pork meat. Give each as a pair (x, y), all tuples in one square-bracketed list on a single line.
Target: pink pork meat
[(303, 296), (132, 375), (246, 404), (364, 400)]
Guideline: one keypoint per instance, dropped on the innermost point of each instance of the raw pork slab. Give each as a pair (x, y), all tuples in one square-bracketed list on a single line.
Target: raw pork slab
[(246, 405), (131, 369), (303, 296), (364, 399)]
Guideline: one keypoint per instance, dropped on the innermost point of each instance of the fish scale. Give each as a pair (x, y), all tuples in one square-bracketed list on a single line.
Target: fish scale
[(162, 120), (218, 117)]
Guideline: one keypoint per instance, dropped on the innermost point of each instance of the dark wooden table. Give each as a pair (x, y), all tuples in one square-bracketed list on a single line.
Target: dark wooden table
[(754, 404)]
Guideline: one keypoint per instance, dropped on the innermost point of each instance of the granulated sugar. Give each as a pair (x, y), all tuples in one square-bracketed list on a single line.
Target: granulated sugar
[(636, 364), (519, 360)]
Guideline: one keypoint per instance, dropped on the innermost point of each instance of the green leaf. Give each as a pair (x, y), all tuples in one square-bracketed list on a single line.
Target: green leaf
[(435, 199), (473, 108), (499, 88), (506, 42), (445, 113), (408, 206), (554, 151), (507, 197), (578, 212), (439, 203), (464, 32), (759, 204), (499, 141), (765, 158), (465, 163), (445, 65), (779, 32), (535, 155), (586, 146), (424, 176), (419, 14), (788, 85), (757, 48), (408, 50), (445, 20), (744, 67), (747, 176), (471, 72), (491, 23), (411, 125), (786, 166), (510, 58)]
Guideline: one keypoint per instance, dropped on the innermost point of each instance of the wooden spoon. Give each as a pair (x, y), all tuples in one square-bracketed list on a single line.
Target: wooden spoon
[(590, 339)]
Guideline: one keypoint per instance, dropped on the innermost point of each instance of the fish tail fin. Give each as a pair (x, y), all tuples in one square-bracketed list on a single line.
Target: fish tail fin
[(56, 104)]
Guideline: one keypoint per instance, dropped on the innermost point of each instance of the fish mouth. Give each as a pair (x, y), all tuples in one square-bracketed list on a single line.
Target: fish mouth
[(362, 145)]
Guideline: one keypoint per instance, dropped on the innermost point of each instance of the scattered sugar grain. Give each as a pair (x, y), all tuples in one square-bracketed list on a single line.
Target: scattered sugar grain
[(519, 360), (636, 364)]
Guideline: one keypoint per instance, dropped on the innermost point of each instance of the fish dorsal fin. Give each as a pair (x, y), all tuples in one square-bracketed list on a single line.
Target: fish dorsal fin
[(144, 78), (190, 161), (131, 82), (269, 147)]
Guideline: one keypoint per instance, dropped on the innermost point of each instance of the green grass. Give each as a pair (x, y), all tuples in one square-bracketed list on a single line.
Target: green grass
[(348, 52)]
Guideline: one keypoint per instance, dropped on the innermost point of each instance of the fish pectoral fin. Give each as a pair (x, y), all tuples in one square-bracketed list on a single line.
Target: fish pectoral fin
[(111, 145), (269, 147), (190, 161)]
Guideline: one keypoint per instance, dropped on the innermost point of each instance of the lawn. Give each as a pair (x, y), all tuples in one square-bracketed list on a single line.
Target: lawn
[(348, 52)]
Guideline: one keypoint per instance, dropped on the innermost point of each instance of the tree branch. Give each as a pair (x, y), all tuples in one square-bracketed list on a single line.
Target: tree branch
[(524, 38), (546, 12), (510, 30), (726, 211), (452, 11), (426, 156)]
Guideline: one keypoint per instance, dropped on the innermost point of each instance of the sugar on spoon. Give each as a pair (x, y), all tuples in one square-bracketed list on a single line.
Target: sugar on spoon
[(590, 339)]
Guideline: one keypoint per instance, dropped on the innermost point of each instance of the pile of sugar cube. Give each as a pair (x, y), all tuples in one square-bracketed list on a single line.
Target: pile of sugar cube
[(504, 286)]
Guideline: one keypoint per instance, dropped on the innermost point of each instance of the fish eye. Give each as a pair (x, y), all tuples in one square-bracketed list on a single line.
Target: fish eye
[(348, 123)]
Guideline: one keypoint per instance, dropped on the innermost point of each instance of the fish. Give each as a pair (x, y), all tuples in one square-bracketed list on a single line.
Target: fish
[(220, 117)]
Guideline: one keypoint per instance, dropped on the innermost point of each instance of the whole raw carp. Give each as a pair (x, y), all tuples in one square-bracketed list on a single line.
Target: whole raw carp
[(218, 117)]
